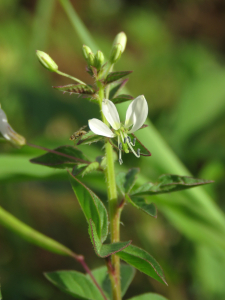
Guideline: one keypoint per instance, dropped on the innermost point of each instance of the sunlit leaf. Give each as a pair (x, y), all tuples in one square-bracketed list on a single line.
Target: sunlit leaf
[(148, 296), (107, 249), (92, 207), (76, 89), (142, 261), (168, 183)]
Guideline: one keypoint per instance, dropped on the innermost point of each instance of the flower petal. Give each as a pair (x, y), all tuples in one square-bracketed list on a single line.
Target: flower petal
[(137, 113), (110, 112), (100, 128)]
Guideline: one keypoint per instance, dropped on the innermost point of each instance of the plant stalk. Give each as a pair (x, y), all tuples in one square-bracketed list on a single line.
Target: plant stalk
[(114, 213)]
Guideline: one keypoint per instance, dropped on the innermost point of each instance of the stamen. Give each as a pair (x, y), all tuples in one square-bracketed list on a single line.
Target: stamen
[(139, 152), (120, 146), (134, 141), (130, 146), (125, 140), (128, 138), (120, 161)]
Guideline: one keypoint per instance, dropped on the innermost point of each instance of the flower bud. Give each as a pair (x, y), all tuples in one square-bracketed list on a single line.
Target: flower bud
[(7, 131), (99, 59), (91, 59), (86, 51), (46, 61), (121, 39), (115, 53)]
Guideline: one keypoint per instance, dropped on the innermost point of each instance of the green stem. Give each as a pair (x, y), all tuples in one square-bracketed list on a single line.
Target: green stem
[(71, 77), (114, 212)]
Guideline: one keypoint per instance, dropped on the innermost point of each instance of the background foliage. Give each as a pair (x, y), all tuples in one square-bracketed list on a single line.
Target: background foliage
[(176, 50)]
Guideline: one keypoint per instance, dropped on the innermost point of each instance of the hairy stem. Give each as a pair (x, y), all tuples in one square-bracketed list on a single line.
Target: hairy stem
[(114, 214)]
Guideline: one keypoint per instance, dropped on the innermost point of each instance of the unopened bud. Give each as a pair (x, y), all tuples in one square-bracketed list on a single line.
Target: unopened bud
[(121, 39), (7, 131), (86, 51), (99, 59), (46, 61), (115, 53)]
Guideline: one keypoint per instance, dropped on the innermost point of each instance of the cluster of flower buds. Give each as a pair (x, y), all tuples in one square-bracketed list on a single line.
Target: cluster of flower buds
[(94, 60), (7, 131)]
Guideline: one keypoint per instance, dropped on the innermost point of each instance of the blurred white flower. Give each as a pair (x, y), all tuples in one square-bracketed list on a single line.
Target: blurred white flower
[(136, 115), (7, 131)]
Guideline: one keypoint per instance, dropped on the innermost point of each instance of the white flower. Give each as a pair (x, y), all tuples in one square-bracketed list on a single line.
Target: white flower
[(136, 115), (7, 131)]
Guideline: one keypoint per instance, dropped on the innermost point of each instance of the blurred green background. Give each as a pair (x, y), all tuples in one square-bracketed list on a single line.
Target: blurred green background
[(176, 50)]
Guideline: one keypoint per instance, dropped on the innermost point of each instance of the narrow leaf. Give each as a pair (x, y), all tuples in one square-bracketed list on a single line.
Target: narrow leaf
[(148, 296), (92, 207), (142, 261), (125, 181), (76, 89), (115, 87), (140, 203), (101, 275), (61, 158), (122, 98), (169, 183), (114, 76), (107, 249), (89, 138), (75, 284)]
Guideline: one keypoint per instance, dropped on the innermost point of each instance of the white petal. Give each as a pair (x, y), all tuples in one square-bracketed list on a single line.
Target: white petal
[(110, 112), (137, 113), (100, 128)]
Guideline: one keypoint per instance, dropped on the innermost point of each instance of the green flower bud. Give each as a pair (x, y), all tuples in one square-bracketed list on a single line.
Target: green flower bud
[(115, 53), (121, 39), (99, 59), (86, 51), (46, 61), (91, 59)]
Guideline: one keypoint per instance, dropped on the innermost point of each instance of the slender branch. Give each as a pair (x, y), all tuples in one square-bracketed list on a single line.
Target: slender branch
[(58, 153), (81, 260), (71, 77)]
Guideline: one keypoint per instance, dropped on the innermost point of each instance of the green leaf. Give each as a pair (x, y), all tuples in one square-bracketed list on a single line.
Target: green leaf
[(107, 249), (114, 76), (125, 181), (148, 296), (101, 275), (140, 203), (169, 183), (90, 168), (142, 261), (115, 87), (76, 284), (76, 89), (61, 158), (92, 207), (122, 98), (138, 145), (89, 138)]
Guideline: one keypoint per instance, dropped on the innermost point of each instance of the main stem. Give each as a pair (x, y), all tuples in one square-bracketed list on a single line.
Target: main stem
[(114, 214)]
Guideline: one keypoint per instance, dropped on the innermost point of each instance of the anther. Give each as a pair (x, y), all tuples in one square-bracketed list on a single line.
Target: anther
[(139, 152), (120, 146), (120, 161), (134, 141), (129, 140), (125, 140)]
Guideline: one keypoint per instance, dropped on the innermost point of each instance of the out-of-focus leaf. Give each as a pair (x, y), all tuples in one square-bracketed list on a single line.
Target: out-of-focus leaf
[(148, 296), (61, 158), (125, 181), (90, 168), (76, 89), (115, 87), (89, 138), (169, 183), (76, 284), (101, 275), (142, 261), (141, 204), (201, 103), (107, 249), (122, 98), (114, 76), (92, 207)]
